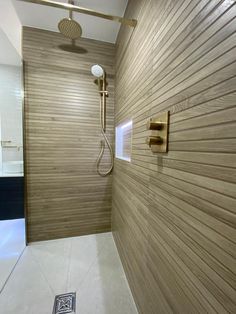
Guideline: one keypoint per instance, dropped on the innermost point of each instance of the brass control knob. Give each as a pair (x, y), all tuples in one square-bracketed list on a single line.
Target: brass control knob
[(153, 124), (154, 140)]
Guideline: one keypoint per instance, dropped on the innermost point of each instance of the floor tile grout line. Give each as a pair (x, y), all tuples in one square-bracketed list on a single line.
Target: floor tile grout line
[(91, 266), (42, 273), (4, 285), (68, 267)]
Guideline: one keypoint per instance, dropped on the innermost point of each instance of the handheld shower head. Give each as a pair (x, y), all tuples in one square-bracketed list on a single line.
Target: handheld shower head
[(97, 70), (100, 74)]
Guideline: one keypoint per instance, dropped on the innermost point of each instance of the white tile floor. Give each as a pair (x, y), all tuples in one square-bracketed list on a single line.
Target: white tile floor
[(89, 265), (12, 244)]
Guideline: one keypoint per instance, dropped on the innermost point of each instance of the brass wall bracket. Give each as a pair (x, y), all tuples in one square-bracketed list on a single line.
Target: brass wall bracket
[(158, 140)]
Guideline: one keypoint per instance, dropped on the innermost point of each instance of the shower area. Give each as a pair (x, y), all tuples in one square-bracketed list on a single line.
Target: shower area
[(129, 156), (69, 127)]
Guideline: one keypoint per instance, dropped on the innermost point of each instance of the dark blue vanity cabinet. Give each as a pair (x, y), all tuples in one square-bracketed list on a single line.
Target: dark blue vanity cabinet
[(11, 197)]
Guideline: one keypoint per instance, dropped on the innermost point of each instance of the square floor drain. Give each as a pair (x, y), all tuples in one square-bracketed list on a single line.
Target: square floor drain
[(64, 303)]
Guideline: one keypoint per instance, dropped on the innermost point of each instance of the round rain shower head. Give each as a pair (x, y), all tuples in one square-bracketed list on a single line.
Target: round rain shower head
[(97, 70), (70, 28)]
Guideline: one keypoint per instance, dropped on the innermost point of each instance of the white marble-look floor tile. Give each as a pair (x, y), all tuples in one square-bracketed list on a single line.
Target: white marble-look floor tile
[(26, 291), (12, 244), (84, 253), (105, 286), (87, 265), (53, 259)]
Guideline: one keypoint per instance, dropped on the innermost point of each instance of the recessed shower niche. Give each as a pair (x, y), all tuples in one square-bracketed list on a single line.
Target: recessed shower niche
[(124, 140)]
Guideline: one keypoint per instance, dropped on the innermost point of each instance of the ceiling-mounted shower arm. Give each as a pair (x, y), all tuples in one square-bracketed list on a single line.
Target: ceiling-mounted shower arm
[(70, 11), (74, 8)]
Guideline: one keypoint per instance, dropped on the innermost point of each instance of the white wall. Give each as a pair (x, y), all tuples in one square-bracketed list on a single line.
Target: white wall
[(0, 148), (11, 111), (10, 82), (10, 24)]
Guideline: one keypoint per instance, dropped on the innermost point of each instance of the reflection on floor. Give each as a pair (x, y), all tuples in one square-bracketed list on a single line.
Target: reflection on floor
[(87, 265), (12, 243)]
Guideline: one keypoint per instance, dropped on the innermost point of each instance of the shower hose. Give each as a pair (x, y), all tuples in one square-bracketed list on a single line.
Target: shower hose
[(104, 142)]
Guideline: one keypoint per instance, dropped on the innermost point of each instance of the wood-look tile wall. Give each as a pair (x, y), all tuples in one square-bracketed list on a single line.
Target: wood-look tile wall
[(173, 215), (65, 195)]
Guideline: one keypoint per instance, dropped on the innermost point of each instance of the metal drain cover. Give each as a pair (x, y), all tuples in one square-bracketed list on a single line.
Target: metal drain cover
[(64, 303)]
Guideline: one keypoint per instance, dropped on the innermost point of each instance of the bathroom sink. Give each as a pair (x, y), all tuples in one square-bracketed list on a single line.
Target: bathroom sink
[(13, 166)]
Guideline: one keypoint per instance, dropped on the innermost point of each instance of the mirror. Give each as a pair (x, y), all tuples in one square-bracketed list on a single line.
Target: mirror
[(12, 220)]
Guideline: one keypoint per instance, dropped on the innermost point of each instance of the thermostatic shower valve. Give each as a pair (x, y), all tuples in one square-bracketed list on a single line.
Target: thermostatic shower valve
[(158, 139)]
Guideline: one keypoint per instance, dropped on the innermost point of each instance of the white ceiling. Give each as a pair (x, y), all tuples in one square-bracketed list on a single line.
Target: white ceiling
[(45, 17), (8, 55)]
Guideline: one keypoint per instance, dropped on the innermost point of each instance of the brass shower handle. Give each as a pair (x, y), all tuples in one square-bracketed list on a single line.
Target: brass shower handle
[(159, 126), (154, 140), (154, 124)]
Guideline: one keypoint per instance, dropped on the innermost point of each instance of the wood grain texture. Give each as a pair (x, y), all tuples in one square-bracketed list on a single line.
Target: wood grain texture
[(173, 215), (65, 195)]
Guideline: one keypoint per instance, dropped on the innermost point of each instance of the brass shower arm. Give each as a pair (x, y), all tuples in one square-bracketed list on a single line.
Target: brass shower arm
[(74, 8)]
